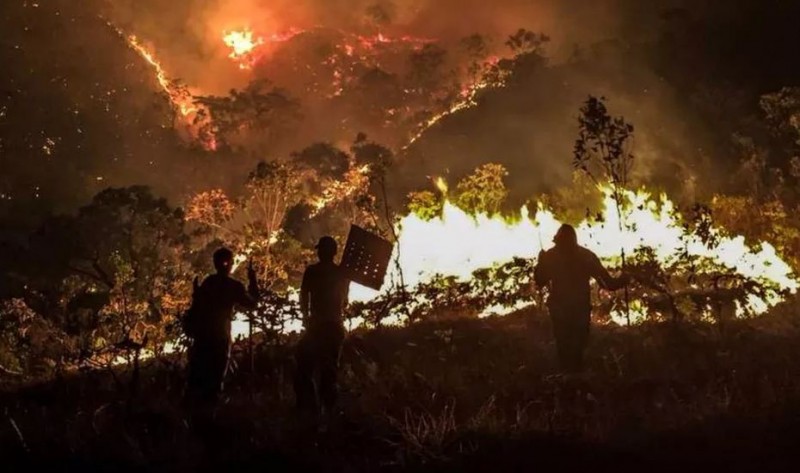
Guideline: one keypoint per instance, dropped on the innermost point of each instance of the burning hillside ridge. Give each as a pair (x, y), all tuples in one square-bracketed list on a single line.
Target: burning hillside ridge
[(420, 95), (383, 69), (305, 82), (287, 75), (387, 68), (192, 118)]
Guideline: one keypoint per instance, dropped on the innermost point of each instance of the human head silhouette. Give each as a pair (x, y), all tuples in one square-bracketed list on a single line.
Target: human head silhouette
[(223, 261), (326, 249), (566, 236)]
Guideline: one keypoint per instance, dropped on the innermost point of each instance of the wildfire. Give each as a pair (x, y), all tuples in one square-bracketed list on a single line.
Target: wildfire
[(370, 42), (441, 184), (335, 191), (183, 104), (182, 101), (242, 45), (245, 45), (457, 244), (467, 98)]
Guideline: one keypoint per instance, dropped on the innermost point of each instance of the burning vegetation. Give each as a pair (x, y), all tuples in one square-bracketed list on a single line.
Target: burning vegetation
[(190, 114), (262, 128), (464, 251)]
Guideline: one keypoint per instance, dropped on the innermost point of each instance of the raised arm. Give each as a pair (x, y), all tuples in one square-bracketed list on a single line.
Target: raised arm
[(248, 299)]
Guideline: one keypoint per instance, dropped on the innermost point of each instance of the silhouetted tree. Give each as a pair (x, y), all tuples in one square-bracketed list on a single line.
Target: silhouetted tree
[(253, 224), (109, 279), (426, 68), (325, 159), (526, 42), (255, 118), (602, 151)]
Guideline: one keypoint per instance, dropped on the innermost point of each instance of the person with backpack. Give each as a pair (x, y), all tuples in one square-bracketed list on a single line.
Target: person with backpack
[(208, 325)]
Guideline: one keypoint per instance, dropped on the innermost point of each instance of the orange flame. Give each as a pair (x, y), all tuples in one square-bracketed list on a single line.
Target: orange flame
[(183, 104), (245, 45), (242, 45), (182, 101), (458, 243)]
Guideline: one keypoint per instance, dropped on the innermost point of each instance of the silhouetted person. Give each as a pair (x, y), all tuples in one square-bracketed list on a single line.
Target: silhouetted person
[(209, 326), (567, 269), (323, 296)]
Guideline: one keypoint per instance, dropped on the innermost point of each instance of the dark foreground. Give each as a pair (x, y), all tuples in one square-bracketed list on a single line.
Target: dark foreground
[(468, 395)]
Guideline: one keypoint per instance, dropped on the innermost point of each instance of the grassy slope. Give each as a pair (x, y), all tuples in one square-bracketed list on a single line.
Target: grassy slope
[(468, 395)]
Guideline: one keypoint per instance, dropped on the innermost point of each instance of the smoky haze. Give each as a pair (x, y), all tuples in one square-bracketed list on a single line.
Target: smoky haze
[(188, 35), (536, 118), (662, 65)]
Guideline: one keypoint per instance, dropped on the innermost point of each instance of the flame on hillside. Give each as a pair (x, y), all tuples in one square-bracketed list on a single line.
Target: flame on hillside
[(242, 45), (457, 244), (466, 99), (246, 46), (355, 179), (180, 98), (351, 55)]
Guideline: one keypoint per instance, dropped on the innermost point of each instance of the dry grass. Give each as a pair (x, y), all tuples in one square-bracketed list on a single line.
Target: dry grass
[(446, 394)]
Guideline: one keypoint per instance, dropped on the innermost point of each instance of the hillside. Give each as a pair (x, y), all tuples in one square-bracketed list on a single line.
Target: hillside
[(465, 394)]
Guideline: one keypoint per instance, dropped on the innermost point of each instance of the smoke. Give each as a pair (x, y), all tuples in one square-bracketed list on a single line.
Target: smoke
[(529, 127), (384, 67), (187, 34)]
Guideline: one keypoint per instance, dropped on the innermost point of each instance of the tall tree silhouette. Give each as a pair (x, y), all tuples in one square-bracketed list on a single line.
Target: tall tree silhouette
[(603, 150)]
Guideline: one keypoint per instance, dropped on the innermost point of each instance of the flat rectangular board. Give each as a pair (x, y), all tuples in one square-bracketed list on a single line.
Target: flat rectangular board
[(366, 257)]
